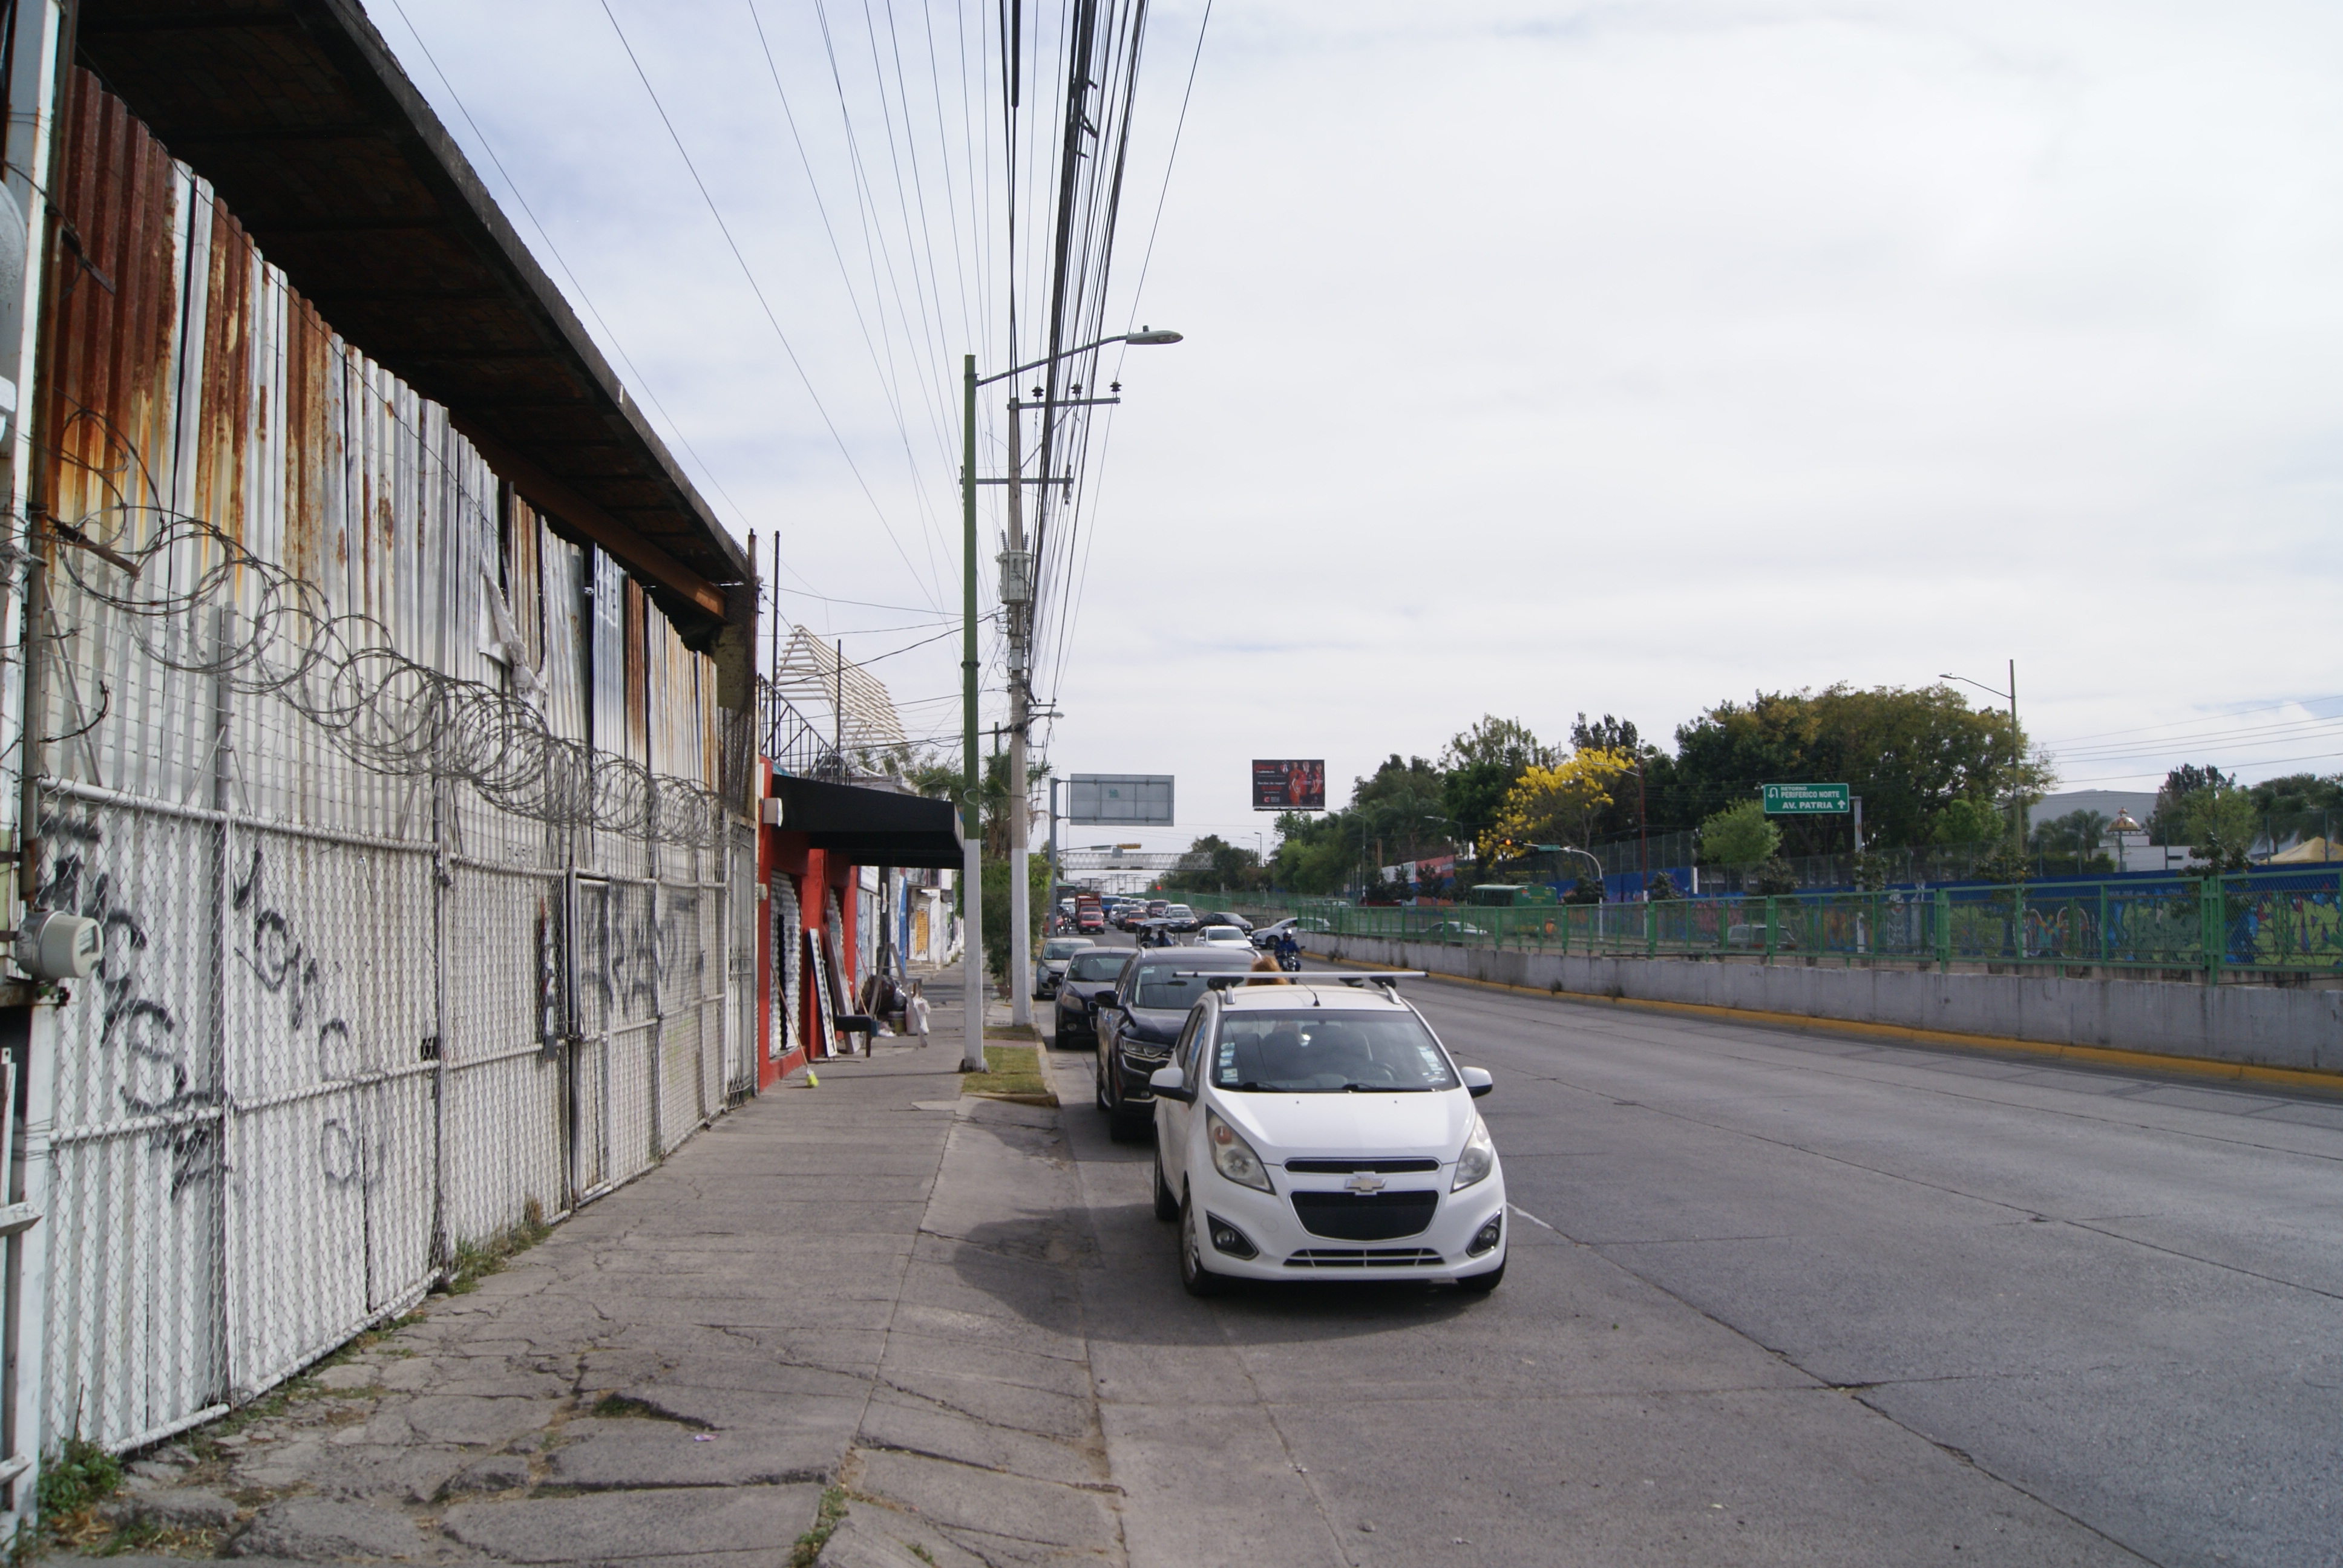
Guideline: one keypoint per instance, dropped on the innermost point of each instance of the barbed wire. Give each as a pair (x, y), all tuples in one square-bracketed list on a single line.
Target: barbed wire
[(386, 711)]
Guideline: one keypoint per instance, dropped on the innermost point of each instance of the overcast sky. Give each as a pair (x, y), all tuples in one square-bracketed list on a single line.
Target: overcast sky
[(1620, 357)]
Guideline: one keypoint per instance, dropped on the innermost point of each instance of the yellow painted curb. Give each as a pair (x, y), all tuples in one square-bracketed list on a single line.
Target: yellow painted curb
[(2098, 1055)]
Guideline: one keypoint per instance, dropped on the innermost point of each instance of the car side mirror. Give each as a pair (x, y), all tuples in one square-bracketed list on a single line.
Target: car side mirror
[(1478, 1081), (1172, 1084)]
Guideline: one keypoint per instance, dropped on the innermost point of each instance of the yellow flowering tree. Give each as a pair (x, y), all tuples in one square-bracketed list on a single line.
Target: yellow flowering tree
[(1558, 805)]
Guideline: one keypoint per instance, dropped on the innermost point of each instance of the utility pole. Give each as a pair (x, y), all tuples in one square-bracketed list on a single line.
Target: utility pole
[(2017, 763), (1016, 563), (1017, 607), (972, 898)]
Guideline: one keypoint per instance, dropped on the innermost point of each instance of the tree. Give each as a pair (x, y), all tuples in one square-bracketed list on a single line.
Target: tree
[(1227, 866), (1968, 822), (2219, 824), (1403, 807), (995, 909), (1624, 816), (1557, 804), (1480, 768), (1606, 734), (2299, 806), (2071, 842), (1315, 854), (1910, 754), (2167, 823), (1740, 836), (939, 778)]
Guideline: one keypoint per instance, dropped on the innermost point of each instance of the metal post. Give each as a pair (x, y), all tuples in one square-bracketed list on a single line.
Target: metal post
[(971, 900), (2213, 925), (1773, 925), (2105, 935), (1944, 931), (2017, 763)]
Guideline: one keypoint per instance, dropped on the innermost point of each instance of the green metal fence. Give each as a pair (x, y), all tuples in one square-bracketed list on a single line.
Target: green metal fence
[(2254, 926)]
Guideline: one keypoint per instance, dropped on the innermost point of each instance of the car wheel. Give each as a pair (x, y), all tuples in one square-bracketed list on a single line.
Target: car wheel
[(1194, 1278), (1167, 1207), (1098, 1081), (1482, 1283)]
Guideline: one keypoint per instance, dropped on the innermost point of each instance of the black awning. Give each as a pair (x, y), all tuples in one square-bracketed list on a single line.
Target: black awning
[(870, 827)]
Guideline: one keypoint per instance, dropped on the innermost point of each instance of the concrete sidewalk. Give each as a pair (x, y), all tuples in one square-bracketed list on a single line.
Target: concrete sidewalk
[(865, 1286)]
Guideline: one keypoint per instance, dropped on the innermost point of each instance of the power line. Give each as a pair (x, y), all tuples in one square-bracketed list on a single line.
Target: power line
[(554, 250), (758, 291)]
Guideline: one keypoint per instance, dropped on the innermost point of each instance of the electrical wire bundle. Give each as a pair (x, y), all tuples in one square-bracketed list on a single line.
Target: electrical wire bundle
[(384, 710)]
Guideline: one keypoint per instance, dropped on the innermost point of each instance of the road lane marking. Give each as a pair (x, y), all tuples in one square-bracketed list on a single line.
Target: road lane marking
[(1533, 1219)]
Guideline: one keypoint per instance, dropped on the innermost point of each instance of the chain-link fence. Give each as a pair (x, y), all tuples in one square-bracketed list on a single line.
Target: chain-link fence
[(2255, 926), (412, 827)]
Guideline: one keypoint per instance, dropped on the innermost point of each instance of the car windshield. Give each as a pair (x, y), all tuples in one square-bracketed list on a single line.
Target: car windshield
[(1179, 910), (1161, 986), (1328, 1053), (1097, 963), (1064, 950)]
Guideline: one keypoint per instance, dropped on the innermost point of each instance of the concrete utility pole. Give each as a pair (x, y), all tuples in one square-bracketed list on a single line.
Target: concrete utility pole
[(972, 898), (1017, 607), (1017, 600)]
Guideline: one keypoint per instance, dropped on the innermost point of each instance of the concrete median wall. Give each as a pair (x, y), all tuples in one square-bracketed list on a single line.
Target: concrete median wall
[(2259, 1026)]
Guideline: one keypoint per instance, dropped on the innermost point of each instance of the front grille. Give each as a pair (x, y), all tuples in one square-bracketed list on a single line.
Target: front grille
[(1365, 1216), (1365, 1258), (1346, 1167)]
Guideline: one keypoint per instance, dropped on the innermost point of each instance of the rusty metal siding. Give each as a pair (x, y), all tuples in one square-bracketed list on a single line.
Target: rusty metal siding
[(321, 1019)]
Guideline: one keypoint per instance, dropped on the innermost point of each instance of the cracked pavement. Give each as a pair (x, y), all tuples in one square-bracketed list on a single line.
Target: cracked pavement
[(1771, 1298), (869, 1283)]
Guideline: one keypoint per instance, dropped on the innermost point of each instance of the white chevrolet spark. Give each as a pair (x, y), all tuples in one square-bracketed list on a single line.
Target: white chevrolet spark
[(1316, 1128)]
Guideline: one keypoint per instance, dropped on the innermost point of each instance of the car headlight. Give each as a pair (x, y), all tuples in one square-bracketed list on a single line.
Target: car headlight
[(1480, 1158), (1233, 1156)]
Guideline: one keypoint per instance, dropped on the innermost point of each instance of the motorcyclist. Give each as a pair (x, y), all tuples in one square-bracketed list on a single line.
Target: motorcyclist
[(1289, 952)]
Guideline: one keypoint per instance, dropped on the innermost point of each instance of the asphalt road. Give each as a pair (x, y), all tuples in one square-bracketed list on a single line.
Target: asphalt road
[(1774, 1297)]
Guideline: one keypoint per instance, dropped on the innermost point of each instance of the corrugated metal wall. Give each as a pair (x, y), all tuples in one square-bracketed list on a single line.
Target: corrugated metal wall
[(355, 1014)]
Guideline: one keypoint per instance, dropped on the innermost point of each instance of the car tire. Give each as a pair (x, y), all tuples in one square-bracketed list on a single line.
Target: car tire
[(1481, 1284), (1167, 1207), (1098, 1086), (1194, 1278)]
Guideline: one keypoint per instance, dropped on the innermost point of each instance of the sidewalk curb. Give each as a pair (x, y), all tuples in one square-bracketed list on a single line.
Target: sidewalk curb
[(2093, 1055)]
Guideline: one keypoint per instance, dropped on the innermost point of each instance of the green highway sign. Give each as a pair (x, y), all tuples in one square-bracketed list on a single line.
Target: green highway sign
[(1807, 799)]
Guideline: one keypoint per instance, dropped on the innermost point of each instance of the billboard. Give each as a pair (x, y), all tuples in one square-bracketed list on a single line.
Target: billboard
[(1289, 784), (1119, 800)]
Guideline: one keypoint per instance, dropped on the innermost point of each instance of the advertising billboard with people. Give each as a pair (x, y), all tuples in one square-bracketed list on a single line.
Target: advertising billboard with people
[(1289, 784)]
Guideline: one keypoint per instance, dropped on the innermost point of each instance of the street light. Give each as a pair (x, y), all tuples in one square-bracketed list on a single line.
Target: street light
[(2017, 758), (1020, 943), (2122, 825)]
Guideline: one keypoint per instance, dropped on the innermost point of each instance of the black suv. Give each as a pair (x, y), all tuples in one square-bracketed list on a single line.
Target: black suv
[(1138, 1024), (1090, 979)]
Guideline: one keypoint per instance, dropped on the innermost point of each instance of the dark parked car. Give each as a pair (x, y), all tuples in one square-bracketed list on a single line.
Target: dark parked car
[(1228, 918), (1090, 976), (1050, 969), (1138, 1024)]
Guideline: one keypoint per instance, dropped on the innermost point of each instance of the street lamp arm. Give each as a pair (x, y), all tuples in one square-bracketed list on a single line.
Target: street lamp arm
[(1980, 685), (1139, 337)]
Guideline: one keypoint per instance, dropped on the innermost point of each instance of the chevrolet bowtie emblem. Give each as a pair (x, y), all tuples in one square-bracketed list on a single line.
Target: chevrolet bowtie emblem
[(1366, 1181)]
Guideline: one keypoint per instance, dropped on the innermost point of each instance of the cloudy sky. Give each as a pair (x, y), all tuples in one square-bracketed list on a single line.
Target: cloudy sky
[(1618, 356)]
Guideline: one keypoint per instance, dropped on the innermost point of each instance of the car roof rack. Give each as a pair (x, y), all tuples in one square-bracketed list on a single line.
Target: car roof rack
[(1312, 977)]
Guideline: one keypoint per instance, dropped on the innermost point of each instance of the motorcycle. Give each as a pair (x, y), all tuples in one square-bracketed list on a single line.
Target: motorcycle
[(1289, 955)]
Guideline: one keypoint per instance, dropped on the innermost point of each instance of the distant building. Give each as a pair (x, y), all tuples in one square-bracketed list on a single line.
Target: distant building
[(2140, 803)]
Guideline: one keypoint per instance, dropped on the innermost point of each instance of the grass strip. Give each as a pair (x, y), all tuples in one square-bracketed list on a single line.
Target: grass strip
[(1010, 1070)]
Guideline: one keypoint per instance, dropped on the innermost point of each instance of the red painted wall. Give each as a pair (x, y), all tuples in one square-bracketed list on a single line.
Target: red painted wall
[(815, 874)]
